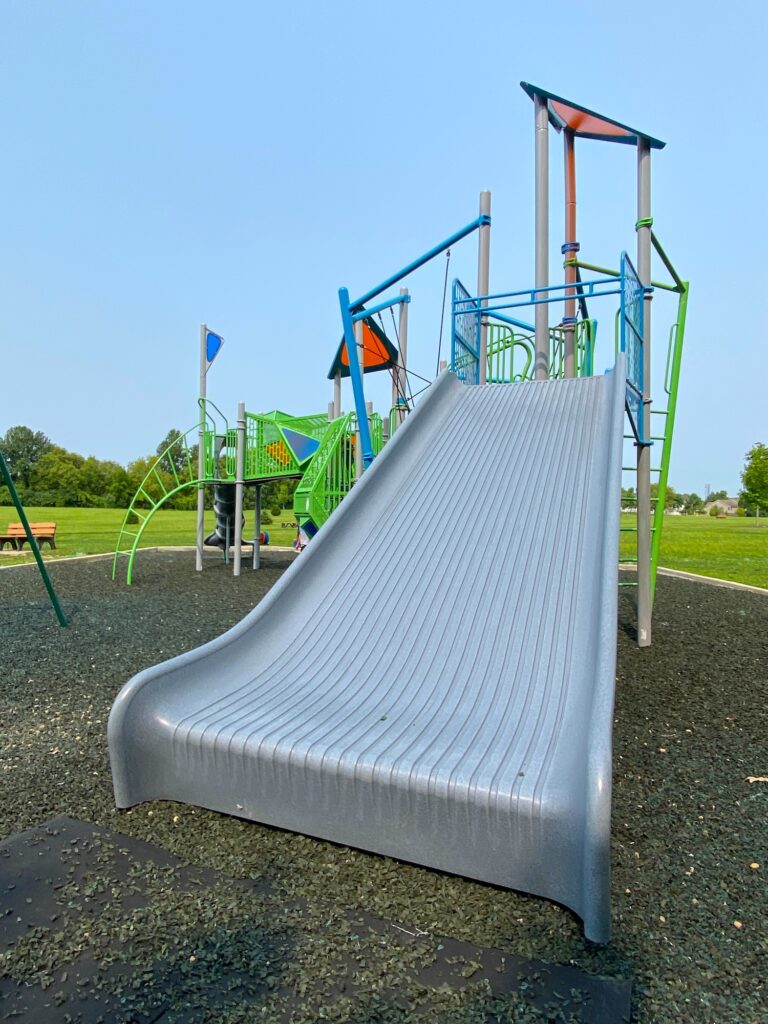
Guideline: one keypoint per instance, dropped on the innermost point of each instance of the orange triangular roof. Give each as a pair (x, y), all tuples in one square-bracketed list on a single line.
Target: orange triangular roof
[(587, 124), (378, 352)]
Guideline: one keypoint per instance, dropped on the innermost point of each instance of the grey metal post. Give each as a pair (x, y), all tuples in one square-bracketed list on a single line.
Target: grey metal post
[(239, 486), (201, 455), (541, 116), (337, 395), (402, 361), (483, 281), (331, 411), (358, 354), (569, 332), (644, 451), (257, 529)]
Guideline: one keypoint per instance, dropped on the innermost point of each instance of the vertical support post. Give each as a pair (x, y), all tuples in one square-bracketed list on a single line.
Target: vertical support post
[(569, 251), (201, 453), (239, 486), (356, 374), (369, 411), (5, 477), (401, 401), (644, 450), (483, 281), (541, 117), (257, 529), (331, 411), (337, 395), (359, 356)]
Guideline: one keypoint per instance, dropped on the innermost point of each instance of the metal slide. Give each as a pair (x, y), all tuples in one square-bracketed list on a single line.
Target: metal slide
[(433, 678)]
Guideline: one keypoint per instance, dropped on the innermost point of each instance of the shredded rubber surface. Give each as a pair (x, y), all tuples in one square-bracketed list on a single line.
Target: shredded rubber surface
[(68, 878), (689, 846)]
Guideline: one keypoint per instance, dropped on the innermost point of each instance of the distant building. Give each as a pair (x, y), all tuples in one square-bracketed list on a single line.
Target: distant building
[(725, 506)]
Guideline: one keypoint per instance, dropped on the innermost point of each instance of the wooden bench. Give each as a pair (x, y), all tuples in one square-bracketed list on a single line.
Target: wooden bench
[(16, 535)]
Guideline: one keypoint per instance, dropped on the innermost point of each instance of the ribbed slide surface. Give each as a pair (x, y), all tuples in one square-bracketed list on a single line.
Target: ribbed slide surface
[(433, 678)]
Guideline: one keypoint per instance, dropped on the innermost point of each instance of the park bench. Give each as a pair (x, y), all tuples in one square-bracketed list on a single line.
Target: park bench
[(16, 535)]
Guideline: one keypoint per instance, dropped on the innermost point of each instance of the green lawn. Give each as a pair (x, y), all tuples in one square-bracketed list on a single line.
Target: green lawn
[(90, 531), (733, 549)]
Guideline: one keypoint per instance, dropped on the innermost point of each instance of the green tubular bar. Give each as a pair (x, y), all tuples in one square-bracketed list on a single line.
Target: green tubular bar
[(153, 483), (5, 474), (672, 380), (504, 341)]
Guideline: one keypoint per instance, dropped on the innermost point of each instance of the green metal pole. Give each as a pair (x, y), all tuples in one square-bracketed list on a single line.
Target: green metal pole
[(669, 426), (32, 542)]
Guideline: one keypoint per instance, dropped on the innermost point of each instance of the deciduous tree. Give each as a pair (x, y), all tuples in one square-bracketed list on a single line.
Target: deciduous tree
[(754, 496), (23, 448)]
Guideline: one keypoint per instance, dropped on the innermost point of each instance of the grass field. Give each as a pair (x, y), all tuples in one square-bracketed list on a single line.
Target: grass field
[(91, 531), (732, 549)]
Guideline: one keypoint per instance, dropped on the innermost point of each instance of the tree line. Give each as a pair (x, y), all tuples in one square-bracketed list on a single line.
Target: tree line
[(46, 474), (688, 504)]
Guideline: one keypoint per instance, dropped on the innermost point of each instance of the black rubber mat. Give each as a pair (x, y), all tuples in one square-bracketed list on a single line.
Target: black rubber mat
[(77, 906)]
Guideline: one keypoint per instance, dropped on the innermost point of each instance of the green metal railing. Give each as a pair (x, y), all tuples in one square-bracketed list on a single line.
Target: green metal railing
[(329, 476), (175, 470), (325, 478), (333, 470), (511, 351)]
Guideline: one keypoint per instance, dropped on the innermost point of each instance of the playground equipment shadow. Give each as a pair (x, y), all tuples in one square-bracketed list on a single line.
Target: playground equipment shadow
[(688, 905)]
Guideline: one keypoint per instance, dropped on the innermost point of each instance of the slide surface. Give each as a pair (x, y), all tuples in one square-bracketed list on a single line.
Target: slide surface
[(433, 678)]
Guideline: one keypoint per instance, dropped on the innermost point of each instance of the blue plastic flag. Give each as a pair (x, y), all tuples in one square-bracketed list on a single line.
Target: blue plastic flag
[(213, 343)]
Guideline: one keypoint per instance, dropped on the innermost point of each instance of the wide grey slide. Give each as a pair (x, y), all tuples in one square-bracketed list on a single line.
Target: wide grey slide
[(433, 678)]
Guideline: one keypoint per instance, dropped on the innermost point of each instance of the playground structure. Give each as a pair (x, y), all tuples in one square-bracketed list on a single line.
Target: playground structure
[(462, 718), (321, 451)]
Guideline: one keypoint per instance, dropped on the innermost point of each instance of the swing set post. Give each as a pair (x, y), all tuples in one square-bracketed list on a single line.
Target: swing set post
[(8, 480)]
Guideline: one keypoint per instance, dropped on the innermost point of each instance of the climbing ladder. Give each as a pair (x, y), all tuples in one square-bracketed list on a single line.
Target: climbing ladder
[(511, 357), (661, 431)]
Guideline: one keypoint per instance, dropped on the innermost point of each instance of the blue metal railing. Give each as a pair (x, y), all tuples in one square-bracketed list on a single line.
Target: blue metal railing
[(631, 343), (465, 335), (352, 310), (466, 312)]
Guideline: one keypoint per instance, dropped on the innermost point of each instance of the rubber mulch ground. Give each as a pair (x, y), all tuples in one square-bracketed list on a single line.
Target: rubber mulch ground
[(690, 856)]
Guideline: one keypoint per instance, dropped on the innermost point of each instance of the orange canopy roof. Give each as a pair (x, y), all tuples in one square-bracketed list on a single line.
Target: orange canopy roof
[(586, 123), (378, 352)]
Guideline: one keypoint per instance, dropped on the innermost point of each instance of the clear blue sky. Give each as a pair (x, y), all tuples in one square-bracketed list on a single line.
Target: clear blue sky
[(169, 163)]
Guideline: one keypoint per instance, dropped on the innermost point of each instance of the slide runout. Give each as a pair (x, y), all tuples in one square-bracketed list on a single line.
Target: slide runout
[(433, 678)]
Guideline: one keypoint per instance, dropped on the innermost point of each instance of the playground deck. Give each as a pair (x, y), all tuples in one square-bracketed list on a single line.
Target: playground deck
[(687, 823)]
